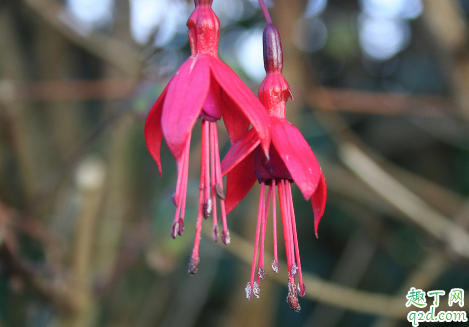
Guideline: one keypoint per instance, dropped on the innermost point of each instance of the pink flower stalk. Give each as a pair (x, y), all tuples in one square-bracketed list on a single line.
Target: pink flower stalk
[(203, 87), (291, 160)]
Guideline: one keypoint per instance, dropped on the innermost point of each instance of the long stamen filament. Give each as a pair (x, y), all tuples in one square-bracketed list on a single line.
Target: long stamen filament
[(256, 242), (184, 186), (219, 185), (194, 262), (275, 265), (295, 236), (261, 273), (207, 200), (213, 127)]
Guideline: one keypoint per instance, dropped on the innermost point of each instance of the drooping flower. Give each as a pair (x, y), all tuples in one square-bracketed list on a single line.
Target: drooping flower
[(203, 87), (291, 160)]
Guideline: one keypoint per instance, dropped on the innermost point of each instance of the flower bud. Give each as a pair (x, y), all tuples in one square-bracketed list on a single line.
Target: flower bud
[(273, 55)]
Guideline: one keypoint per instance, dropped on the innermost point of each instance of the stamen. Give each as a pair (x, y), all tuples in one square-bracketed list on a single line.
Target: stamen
[(175, 230), (292, 298), (213, 126), (248, 290), (198, 229), (294, 270), (225, 237), (256, 242), (289, 225), (219, 190), (181, 226), (194, 265), (261, 273), (256, 289), (184, 186), (215, 233), (275, 265), (263, 230), (206, 145), (281, 194), (226, 234), (207, 206), (295, 238), (181, 184)]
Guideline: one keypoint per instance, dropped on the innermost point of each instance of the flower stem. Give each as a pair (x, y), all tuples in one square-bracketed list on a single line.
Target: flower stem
[(265, 12)]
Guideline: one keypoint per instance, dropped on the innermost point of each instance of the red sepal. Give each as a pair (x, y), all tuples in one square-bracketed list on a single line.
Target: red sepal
[(244, 99), (239, 151), (186, 95), (153, 131), (297, 156), (240, 180), (236, 123), (318, 202)]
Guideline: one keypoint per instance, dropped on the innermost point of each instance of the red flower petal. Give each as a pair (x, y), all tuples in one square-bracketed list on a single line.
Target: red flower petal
[(319, 202), (239, 151), (244, 98), (297, 156), (236, 123), (153, 132), (186, 95), (240, 180)]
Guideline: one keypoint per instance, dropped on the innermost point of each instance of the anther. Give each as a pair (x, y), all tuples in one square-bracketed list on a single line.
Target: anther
[(292, 298), (175, 230), (256, 289), (294, 270), (215, 233), (193, 265), (207, 208), (301, 289), (219, 191), (181, 227), (275, 266), (261, 273), (248, 291), (225, 237)]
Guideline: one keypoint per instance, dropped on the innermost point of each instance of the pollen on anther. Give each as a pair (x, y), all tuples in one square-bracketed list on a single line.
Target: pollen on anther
[(275, 266), (207, 208), (294, 270), (225, 237), (248, 291), (261, 273), (175, 230), (256, 289)]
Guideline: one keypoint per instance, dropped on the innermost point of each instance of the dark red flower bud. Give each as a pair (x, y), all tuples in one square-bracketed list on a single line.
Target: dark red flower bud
[(273, 55)]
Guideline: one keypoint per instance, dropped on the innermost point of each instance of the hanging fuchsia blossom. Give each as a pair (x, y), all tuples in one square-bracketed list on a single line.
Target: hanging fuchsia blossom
[(203, 87), (291, 160)]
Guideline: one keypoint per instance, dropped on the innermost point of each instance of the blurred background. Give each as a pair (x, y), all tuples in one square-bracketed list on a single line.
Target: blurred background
[(381, 91)]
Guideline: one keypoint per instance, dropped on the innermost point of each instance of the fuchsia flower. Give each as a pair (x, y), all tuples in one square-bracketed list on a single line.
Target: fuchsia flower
[(203, 87), (291, 160)]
